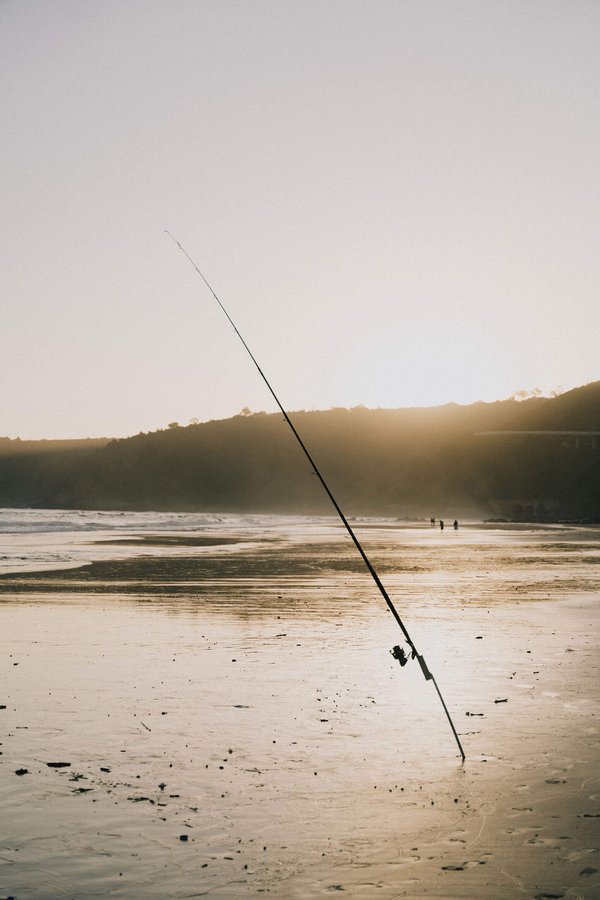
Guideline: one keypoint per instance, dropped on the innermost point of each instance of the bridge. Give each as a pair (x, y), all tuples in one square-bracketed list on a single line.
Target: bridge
[(580, 438)]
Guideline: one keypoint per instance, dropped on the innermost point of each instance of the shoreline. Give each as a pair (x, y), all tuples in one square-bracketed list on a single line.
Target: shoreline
[(265, 711)]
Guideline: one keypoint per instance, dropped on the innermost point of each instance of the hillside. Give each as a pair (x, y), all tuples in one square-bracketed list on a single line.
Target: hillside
[(405, 462)]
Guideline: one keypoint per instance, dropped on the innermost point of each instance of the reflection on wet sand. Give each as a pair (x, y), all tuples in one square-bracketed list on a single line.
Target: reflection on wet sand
[(242, 695)]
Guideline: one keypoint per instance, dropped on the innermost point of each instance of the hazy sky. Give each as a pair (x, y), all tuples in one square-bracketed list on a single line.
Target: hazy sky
[(397, 200)]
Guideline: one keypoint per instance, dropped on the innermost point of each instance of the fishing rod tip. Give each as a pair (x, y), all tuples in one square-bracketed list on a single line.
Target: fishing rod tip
[(173, 238)]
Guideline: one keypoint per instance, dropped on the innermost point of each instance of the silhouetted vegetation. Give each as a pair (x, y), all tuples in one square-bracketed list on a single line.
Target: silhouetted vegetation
[(404, 462)]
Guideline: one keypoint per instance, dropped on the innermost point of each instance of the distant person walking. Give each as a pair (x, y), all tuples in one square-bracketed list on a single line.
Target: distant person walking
[(441, 524), (432, 520), (456, 524)]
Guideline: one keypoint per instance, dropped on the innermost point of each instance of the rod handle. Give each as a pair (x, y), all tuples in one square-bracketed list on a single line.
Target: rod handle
[(424, 669)]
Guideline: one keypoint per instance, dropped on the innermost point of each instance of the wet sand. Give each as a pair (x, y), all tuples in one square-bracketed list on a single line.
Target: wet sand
[(234, 724)]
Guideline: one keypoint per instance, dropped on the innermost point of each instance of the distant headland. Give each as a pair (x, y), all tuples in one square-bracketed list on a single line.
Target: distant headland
[(536, 459)]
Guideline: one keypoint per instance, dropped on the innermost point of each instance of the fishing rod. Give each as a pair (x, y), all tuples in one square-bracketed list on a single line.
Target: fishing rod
[(397, 651)]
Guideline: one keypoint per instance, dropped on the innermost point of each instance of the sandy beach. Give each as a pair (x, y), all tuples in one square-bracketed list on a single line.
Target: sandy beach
[(229, 720)]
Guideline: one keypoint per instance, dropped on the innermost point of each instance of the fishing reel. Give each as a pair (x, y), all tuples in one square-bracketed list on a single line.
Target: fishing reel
[(400, 654)]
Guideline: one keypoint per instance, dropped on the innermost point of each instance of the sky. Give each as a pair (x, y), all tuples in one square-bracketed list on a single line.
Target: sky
[(396, 200)]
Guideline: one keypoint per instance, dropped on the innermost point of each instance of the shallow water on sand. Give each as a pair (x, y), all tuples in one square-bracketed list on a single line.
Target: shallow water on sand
[(228, 680)]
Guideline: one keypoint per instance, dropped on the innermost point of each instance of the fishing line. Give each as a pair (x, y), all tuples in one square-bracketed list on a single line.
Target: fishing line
[(397, 652)]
